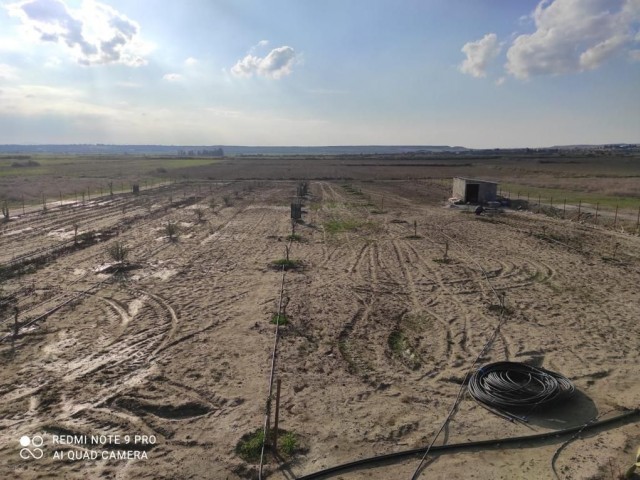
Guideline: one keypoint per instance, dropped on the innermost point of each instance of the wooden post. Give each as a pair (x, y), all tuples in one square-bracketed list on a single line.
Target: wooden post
[(89, 193), (382, 204), (415, 228), (16, 325), (277, 417), (23, 205), (564, 208), (60, 198), (538, 203), (579, 208), (527, 199), (638, 220), (518, 195), (597, 208), (551, 203), (615, 219)]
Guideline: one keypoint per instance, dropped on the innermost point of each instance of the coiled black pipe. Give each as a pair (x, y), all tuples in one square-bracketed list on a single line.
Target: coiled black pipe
[(518, 386), (455, 447)]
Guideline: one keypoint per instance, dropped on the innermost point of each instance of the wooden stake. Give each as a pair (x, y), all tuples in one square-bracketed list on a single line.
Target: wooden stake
[(615, 220), (564, 208), (277, 417), (23, 205), (579, 208), (597, 207), (16, 325), (638, 220)]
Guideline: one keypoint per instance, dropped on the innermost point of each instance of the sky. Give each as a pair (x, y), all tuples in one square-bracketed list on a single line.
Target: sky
[(474, 73)]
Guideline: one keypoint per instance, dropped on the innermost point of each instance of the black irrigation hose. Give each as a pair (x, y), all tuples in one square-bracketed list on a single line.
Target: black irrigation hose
[(453, 447), (512, 386)]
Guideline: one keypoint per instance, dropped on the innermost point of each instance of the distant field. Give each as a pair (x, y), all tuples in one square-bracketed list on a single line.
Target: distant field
[(32, 176), (608, 180)]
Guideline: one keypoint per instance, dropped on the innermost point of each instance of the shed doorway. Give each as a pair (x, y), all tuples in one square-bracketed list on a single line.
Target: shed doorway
[(472, 192)]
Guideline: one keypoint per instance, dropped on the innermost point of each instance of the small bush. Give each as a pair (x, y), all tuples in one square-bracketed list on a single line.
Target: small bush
[(227, 201), (294, 237), (172, 231), (285, 263), (279, 319), (288, 443), (118, 252), (199, 212)]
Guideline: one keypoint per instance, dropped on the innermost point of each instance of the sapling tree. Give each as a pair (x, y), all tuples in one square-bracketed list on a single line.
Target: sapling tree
[(118, 252), (172, 231), (199, 212)]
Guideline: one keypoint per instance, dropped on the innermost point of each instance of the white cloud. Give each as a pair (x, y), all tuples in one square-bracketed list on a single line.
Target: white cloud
[(7, 72), (573, 36), (172, 77), (276, 64), (93, 34), (190, 62), (500, 81), (479, 55)]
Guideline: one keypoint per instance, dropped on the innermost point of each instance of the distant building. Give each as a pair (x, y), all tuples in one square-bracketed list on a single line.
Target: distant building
[(471, 190)]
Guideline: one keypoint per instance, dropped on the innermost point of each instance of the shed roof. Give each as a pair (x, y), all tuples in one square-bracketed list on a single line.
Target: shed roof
[(476, 180)]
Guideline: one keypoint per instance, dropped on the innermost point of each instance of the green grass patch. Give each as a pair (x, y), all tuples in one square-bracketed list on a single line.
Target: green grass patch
[(338, 226), (286, 264), (279, 319), (442, 260), (250, 446), (294, 237), (401, 348), (288, 443)]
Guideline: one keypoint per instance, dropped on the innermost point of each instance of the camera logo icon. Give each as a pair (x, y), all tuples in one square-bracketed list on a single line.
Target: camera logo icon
[(31, 447)]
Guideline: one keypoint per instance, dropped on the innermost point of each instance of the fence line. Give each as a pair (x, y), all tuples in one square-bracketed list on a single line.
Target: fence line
[(596, 214)]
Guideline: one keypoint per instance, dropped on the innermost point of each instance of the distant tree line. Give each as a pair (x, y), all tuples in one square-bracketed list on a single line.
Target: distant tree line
[(216, 152)]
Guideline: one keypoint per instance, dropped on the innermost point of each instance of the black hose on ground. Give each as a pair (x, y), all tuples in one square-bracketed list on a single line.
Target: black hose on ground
[(456, 447), (518, 386)]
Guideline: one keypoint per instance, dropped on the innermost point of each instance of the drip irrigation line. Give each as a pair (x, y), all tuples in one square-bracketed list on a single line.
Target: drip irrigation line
[(575, 435), (272, 374), (456, 447), (487, 346)]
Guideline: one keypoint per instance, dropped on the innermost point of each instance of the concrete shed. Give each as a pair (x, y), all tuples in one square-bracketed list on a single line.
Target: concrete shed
[(474, 191)]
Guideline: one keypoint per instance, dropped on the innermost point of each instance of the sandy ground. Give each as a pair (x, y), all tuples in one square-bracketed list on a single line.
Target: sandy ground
[(180, 349)]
